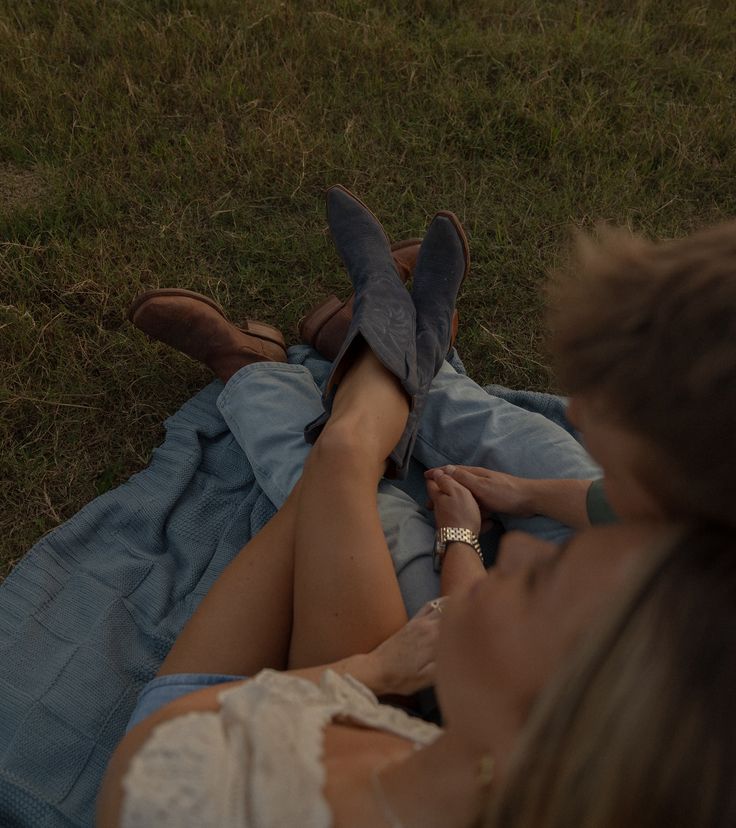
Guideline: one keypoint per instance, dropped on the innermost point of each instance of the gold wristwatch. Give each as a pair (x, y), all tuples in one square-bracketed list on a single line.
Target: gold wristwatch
[(450, 534)]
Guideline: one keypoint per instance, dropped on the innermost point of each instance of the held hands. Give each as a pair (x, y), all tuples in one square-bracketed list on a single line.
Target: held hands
[(494, 491), (405, 662), (454, 503)]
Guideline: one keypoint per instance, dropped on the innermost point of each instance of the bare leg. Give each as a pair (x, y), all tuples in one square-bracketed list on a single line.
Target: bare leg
[(346, 596), (318, 578), (243, 624)]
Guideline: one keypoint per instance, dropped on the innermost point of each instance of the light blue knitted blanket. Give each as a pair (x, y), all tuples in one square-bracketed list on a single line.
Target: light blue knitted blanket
[(90, 612)]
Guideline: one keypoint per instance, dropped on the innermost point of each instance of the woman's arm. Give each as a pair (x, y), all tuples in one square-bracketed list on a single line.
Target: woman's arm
[(110, 797), (403, 664), (455, 506)]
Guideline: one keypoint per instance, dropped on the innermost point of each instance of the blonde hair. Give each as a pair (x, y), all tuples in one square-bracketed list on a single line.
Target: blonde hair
[(649, 330), (640, 730)]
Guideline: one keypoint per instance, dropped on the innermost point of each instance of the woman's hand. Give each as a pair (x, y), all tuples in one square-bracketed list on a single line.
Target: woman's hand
[(494, 491), (453, 503), (404, 663)]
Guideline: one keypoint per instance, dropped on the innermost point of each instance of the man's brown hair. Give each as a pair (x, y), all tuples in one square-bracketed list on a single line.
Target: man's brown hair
[(649, 331)]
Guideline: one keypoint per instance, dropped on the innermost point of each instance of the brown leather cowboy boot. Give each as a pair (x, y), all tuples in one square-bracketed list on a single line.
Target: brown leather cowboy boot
[(325, 326), (198, 327)]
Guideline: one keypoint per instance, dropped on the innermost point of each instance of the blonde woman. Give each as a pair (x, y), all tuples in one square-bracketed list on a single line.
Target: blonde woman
[(312, 611), (639, 728)]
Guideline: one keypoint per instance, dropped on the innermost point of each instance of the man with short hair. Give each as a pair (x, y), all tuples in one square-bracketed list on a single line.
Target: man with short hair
[(643, 338)]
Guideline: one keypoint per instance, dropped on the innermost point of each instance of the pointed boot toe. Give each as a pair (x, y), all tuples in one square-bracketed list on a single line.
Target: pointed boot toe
[(359, 237)]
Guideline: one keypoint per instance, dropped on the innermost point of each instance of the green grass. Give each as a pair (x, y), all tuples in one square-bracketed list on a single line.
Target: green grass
[(164, 142)]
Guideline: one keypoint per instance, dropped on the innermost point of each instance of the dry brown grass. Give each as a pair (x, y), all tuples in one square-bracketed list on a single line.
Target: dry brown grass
[(186, 142)]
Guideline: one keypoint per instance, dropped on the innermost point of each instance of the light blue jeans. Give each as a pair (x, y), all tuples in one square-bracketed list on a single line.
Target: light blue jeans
[(266, 406)]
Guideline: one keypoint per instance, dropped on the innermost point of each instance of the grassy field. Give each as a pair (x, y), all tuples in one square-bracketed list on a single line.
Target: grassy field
[(187, 142)]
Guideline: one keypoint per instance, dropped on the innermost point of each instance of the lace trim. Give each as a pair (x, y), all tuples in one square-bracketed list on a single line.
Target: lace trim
[(189, 752), (258, 762)]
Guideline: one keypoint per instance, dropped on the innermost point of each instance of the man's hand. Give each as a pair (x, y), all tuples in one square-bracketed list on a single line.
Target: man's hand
[(494, 491), (564, 500), (453, 503)]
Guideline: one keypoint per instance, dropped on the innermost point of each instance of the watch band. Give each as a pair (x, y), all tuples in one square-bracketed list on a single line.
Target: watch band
[(450, 534)]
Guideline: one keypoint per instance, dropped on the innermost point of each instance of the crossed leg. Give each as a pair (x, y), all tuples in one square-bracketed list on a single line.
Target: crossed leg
[(317, 583), (266, 406)]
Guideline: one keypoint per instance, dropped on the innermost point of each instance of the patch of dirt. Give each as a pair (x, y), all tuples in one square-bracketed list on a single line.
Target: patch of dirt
[(18, 187)]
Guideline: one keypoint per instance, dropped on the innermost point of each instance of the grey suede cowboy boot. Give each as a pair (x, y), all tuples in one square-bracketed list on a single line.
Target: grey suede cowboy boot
[(384, 314), (443, 264)]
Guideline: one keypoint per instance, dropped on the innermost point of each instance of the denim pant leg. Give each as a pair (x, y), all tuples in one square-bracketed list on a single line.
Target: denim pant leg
[(266, 406), (462, 424), (409, 531)]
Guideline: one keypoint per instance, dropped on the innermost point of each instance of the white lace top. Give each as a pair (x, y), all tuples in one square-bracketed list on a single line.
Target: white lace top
[(257, 762)]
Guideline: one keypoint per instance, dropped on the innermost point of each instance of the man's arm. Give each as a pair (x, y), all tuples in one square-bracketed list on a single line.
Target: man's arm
[(563, 500)]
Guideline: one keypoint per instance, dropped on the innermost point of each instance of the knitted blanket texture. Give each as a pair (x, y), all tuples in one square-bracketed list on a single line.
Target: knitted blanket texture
[(87, 616)]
